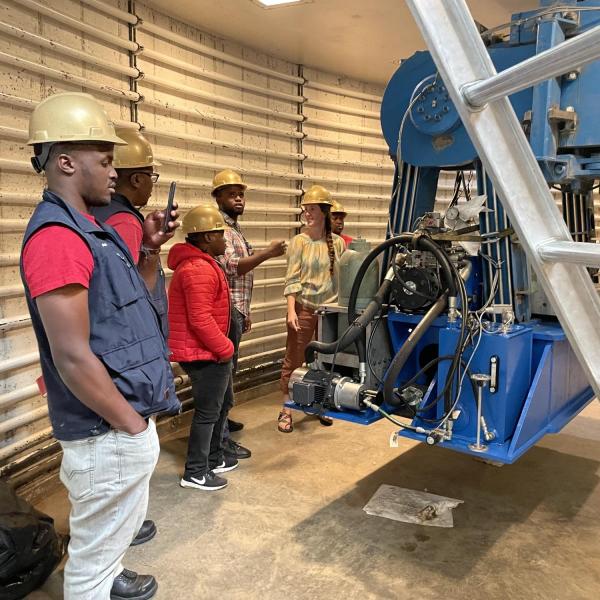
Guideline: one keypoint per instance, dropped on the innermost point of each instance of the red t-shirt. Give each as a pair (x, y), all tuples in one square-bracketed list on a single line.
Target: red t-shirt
[(347, 239), (56, 256), (130, 229)]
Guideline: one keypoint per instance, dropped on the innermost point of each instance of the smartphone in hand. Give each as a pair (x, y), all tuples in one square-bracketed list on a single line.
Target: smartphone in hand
[(169, 206)]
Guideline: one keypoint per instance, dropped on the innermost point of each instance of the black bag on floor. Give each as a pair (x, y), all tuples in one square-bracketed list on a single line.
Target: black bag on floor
[(30, 548)]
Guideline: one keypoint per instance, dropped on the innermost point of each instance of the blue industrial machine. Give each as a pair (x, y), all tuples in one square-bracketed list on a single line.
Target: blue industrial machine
[(476, 359)]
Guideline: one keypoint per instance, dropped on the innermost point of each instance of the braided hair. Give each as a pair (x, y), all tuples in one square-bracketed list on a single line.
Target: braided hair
[(326, 209)]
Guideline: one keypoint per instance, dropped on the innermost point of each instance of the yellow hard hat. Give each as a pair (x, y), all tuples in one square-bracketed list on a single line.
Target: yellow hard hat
[(71, 117), (202, 219), (317, 194), (338, 207), (226, 177), (137, 153)]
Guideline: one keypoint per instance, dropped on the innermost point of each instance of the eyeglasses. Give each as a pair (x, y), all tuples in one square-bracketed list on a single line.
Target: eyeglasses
[(153, 176)]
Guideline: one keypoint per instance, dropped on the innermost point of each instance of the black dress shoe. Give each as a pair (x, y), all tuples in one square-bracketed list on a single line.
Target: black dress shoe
[(131, 586), (235, 450), (145, 534), (234, 425)]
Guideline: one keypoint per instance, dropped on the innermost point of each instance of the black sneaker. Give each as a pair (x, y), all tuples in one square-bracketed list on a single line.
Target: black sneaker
[(128, 585), (229, 463), (209, 482), (234, 426), (235, 450)]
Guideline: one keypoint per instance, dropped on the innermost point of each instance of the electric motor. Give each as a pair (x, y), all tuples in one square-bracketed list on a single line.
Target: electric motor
[(315, 387)]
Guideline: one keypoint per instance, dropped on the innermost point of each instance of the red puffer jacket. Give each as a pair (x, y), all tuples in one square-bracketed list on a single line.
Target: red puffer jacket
[(199, 306)]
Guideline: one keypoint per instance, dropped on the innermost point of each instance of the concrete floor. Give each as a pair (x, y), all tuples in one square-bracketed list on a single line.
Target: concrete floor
[(291, 525)]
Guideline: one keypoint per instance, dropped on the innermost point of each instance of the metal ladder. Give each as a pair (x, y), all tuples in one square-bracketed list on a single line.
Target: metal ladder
[(481, 98)]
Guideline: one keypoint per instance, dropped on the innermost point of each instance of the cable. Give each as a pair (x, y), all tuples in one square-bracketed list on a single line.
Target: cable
[(389, 417), (369, 344)]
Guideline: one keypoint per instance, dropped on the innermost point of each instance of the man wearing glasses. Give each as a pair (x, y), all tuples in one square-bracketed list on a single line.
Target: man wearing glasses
[(135, 164)]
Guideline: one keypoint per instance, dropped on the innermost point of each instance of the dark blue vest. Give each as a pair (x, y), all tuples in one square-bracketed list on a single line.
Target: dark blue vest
[(121, 204), (124, 329)]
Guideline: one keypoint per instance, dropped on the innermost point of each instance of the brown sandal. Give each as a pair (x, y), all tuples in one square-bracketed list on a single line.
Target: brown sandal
[(284, 422)]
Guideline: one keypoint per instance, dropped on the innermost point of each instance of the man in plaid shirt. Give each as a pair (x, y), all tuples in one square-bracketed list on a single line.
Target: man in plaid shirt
[(239, 261)]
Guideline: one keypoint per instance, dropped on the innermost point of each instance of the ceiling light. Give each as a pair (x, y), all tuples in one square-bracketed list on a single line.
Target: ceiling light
[(277, 3)]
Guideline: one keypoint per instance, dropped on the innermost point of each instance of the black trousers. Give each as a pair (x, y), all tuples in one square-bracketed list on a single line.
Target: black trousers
[(212, 389), (236, 329)]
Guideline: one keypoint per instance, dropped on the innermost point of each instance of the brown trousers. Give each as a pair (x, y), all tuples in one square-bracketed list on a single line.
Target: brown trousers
[(296, 344)]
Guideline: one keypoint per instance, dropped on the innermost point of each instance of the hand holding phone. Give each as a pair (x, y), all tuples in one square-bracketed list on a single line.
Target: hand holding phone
[(169, 206)]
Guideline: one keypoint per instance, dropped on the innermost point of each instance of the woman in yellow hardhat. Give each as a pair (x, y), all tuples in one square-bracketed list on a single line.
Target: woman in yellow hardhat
[(311, 280)]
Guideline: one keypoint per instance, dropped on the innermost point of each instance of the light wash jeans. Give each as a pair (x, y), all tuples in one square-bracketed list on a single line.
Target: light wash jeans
[(107, 478)]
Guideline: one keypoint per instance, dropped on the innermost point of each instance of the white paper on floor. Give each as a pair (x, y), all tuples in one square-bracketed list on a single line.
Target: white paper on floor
[(411, 506)]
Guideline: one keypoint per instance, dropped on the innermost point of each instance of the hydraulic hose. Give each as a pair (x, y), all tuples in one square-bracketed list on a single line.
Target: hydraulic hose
[(355, 329), (421, 242), (405, 351)]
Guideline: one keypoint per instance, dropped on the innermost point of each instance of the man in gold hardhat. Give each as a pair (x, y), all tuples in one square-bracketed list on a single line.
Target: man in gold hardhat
[(239, 261), (103, 356), (135, 165), (338, 216)]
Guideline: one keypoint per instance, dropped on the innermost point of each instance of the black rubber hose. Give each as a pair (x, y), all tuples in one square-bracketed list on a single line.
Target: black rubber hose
[(355, 329), (406, 349), (421, 242)]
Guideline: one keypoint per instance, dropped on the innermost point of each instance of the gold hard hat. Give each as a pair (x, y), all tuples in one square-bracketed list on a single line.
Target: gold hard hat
[(338, 207), (202, 219), (71, 117), (227, 177), (137, 153), (317, 194)]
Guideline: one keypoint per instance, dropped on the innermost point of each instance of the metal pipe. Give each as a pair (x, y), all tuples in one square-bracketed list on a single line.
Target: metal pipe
[(344, 127), (203, 49), (19, 362), (76, 24), (16, 322), (8, 400), (55, 46), (208, 116), (350, 164), (214, 76), (267, 324), (480, 380), (22, 420), (76, 80), (212, 97), (317, 85), (579, 253), (268, 173), (11, 291), (339, 108), (205, 183), (262, 340), (25, 443), (112, 11), (311, 137), (260, 355), (221, 144), (558, 60)]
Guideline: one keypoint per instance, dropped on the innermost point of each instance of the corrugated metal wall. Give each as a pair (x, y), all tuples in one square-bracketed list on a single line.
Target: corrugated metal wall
[(205, 104)]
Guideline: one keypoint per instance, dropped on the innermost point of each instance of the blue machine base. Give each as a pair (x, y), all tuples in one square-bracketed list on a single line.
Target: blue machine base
[(544, 389)]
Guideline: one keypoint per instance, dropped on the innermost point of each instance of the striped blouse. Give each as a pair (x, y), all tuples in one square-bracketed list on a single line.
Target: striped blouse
[(308, 270)]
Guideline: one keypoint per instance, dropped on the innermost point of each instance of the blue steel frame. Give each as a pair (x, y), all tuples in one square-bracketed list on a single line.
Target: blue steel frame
[(546, 388)]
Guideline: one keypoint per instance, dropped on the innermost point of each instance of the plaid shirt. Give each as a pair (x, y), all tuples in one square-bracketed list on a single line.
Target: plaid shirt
[(237, 247)]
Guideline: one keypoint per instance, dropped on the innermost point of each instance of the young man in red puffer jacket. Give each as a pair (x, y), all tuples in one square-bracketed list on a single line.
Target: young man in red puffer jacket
[(199, 321)]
